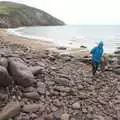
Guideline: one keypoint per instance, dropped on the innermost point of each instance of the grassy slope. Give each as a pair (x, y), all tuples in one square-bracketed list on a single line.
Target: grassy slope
[(5, 8), (14, 15)]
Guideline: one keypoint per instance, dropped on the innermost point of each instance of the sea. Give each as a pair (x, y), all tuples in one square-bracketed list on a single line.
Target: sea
[(73, 36)]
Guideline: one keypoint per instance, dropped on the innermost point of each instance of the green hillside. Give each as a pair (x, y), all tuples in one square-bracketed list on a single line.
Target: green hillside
[(16, 15)]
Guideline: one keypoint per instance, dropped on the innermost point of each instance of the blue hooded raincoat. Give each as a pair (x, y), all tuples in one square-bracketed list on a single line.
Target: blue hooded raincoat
[(97, 53)]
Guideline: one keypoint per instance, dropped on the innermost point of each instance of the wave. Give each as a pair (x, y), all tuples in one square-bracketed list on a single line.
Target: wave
[(16, 31)]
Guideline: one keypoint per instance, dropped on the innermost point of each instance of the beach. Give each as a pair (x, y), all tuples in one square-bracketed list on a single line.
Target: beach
[(40, 45), (38, 81)]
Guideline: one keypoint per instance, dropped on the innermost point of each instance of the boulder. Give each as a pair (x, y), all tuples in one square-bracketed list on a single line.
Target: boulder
[(20, 72), (4, 62), (5, 78), (12, 109)]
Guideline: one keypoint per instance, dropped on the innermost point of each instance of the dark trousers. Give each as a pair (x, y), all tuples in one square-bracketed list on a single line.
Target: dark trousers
[(95, 66)]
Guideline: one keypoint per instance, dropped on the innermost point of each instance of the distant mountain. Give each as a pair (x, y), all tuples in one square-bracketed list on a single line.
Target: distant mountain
[(17, 15)]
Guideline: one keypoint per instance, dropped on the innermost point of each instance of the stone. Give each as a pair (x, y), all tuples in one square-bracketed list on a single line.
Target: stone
[(3, 96), (99, 117), (31, 108), (65, 116), (20, 72), (117, 71), (5, 79), (62, 89), (33, 116), (12, 109), (36, 69), (62, 81), (4, 62), (32, 95), (76, 105), (30, 89), (41, 88), (49, 117)]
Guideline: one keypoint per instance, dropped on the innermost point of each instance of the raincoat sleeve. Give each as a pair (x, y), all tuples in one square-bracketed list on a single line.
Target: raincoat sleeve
[(93, 50)]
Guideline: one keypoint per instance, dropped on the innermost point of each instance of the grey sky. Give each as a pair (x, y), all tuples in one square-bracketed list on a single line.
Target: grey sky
[(80, 11)]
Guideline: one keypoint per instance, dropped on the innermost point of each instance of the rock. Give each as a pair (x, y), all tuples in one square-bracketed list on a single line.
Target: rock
[(31, 108), (12, 109), (76, 105), (4, 62), (117, 71), (32, 95), (41, 88), (36, 69), (20, 72), (62, 81), (49, 117), (5, 78), (65, 117), (62, 89), (33, 116), (98, 117), (3, 96), (61, 48), (30, 89)]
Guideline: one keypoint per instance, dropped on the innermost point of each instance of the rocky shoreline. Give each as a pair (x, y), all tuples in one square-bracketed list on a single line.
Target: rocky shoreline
[(44, 85)]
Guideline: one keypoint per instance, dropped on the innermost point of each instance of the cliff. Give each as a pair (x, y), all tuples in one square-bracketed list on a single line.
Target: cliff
[(17, 15)]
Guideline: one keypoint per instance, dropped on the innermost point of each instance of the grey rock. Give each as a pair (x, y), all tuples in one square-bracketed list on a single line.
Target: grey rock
[(12, 109), (30, 89), (20, 72), (5, 78), (62, 89), (4, 62), (65, 116), (62, 81), (36, 69), (31, 108), (41, 88), (32, 95), (76, 105)]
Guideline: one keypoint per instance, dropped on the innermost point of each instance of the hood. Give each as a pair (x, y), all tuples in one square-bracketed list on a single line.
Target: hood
[(100, 44)]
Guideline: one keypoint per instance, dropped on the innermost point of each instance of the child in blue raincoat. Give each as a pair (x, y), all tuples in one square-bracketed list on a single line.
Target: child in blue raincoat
[(97, 53)]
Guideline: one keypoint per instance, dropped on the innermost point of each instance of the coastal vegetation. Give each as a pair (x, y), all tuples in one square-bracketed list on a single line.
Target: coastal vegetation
[(17, 15)]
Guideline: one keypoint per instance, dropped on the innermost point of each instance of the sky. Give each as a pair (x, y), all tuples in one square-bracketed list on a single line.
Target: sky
[(79, 11)]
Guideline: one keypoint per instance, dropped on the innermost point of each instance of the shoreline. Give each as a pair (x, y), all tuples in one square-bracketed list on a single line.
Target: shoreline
[(40, 45)]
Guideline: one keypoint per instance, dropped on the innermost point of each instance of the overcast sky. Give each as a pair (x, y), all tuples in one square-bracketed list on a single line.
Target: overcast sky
[(80, 11)]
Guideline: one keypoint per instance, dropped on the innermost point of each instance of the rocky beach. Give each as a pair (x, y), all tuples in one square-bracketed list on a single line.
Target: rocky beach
[(37, 83)]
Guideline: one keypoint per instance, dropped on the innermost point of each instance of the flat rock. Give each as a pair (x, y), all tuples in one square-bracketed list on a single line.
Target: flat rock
[(62, 89), (32, 95), (117, 71), (5, 78), (62, 81), (20, 72), (30, 89), (12, 109), (31, 108)]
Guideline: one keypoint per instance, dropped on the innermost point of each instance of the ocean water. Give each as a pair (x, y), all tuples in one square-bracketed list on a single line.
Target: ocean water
[(74, 36)]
